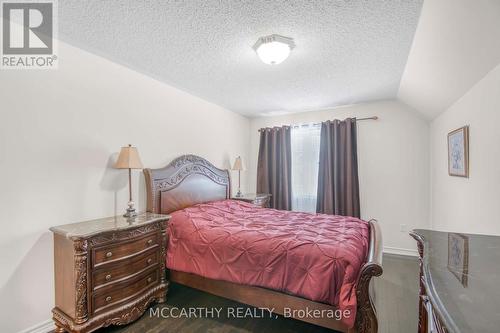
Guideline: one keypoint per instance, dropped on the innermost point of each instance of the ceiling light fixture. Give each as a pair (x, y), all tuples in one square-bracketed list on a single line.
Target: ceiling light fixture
[(273, 49)]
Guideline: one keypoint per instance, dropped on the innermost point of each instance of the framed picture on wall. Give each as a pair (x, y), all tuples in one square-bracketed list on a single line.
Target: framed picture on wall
[(458, 256), (458, 152)]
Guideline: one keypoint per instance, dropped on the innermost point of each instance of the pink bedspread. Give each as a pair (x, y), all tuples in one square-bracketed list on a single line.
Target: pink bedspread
[(317, 257)]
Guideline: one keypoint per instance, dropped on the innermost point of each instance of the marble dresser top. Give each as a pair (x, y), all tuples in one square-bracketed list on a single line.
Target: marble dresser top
[(252, 196), (116, 223), (462, 274)]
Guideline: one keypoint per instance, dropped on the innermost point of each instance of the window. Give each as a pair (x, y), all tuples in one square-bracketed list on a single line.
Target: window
[(305, 141)]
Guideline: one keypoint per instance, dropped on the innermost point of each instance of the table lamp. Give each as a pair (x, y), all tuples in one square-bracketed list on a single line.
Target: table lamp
[(129, 159), (238, 165)]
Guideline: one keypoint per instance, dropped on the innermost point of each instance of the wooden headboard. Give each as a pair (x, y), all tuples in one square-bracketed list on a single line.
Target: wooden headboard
[(186, 181)]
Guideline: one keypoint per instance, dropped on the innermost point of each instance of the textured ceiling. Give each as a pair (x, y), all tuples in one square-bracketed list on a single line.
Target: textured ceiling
[(456, 44), (347, 51)]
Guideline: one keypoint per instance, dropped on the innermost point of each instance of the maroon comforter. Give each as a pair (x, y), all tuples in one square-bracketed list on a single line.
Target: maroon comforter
[(313, 256)]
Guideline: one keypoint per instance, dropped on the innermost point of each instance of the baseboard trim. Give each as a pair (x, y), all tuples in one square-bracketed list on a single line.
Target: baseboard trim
[(43, 327), (400, 251)]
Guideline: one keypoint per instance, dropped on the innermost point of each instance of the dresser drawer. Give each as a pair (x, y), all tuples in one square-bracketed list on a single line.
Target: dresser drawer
[(116, 295), (124, 269), (94, 288), (117, 251)]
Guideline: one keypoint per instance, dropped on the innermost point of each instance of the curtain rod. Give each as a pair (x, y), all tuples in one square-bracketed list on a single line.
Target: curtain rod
[(357, 119), (367, 118)]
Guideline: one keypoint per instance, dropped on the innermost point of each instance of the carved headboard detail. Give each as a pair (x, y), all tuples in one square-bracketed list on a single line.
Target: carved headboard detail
[(186, 181)]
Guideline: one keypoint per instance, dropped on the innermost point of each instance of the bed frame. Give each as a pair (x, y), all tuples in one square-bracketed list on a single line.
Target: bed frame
[(189, 180)]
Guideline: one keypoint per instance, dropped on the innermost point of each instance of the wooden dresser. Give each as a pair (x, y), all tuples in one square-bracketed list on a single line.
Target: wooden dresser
[(459, 277), (108, 271), (259, 199)]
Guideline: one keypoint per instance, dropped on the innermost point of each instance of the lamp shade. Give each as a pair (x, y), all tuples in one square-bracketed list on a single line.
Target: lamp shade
[(128, 159), (238, 164)]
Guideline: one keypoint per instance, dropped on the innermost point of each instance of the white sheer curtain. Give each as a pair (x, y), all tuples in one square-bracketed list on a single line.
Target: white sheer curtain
[(305, 163)]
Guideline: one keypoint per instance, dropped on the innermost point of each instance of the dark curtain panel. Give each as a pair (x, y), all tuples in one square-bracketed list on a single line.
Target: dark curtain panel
[(274, 167), (338, 184)]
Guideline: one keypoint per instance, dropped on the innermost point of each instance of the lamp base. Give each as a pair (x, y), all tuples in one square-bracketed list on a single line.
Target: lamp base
[(238, 195), (130, 210), (130, 213)]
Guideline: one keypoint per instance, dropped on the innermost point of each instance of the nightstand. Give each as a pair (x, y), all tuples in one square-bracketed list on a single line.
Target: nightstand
[(108, 271), (259, 199)]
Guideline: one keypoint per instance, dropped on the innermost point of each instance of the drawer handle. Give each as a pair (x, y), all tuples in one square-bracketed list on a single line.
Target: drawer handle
[(150, 261), (108, 299), (108, 277), (150, 242), (149, 280), (109, 254)]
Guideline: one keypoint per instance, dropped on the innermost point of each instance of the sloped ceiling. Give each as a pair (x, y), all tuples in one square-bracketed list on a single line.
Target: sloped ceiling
[(347, 51), (456, 44)]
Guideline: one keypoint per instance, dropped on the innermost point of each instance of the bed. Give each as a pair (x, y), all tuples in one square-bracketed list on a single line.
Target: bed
[(286, 261)]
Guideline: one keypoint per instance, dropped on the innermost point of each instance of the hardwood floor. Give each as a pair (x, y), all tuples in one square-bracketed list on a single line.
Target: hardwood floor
[(396, 293), (396, 300)]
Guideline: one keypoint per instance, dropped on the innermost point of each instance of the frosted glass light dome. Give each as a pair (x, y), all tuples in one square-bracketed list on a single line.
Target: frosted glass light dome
[(273, 49)]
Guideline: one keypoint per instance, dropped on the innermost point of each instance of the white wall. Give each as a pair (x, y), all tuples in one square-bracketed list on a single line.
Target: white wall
[(393, 165), (59, 131), (455, 45), (473, 204)]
